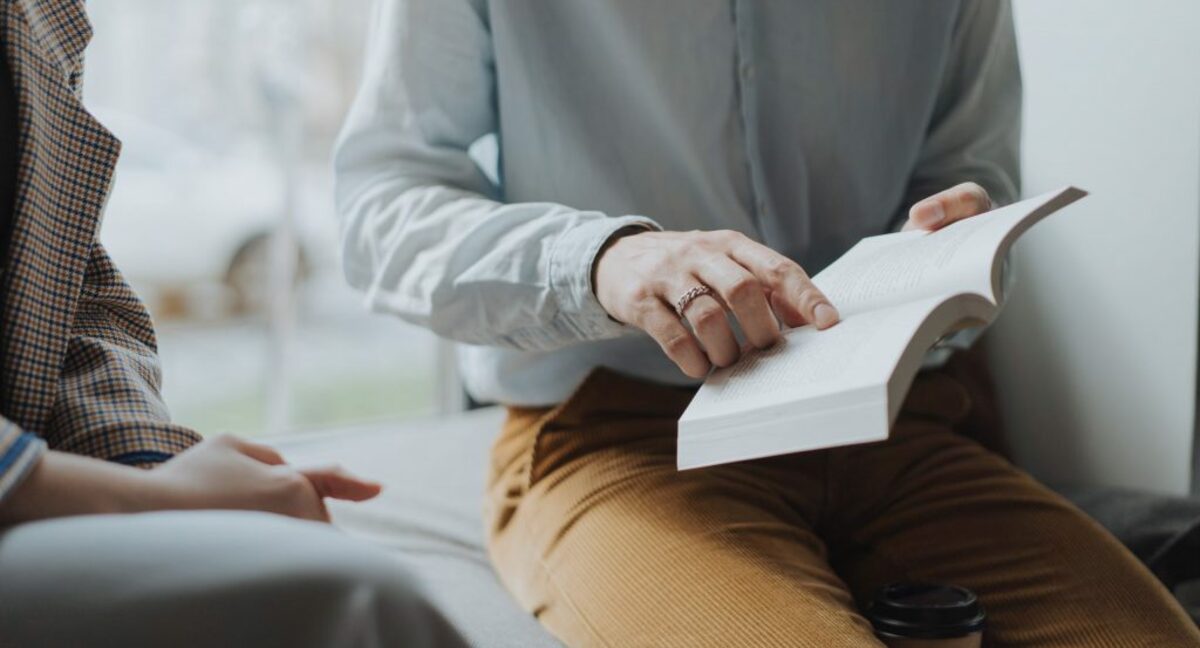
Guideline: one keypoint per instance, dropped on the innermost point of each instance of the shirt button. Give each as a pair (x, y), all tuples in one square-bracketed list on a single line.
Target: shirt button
[(747, 71)]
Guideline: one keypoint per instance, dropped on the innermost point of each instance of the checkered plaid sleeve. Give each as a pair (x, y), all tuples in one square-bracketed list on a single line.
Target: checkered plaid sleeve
[(108, 403), (19, 452)]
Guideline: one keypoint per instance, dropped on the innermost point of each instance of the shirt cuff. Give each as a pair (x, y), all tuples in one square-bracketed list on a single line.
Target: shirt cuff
[(19, 453), (571, 263)]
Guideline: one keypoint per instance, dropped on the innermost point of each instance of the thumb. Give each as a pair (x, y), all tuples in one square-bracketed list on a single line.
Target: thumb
[(954, 204)]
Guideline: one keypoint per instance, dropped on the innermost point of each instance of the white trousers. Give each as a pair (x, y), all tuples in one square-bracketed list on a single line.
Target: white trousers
[(205, 578)]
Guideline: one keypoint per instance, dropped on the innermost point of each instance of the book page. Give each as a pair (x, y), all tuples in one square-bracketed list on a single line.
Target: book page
[(892, 269), (862, 350), (818, 389), (804, 358)]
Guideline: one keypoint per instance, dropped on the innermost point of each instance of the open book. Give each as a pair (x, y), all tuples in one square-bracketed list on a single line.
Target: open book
[(898, 294)]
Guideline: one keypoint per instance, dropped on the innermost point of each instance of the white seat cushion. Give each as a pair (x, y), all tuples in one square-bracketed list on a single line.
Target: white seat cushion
[(429, 514)]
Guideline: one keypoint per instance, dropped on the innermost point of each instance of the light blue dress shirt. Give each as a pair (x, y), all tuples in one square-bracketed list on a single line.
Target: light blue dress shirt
[(806, 125)]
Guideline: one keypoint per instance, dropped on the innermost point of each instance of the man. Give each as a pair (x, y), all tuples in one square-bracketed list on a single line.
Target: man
[(666, 167), (80, 376)]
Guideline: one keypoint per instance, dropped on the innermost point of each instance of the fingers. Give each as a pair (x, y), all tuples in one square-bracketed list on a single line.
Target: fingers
[(639, 278), (313, 508), (943, 208), (297, 496), (792, 293), (676, 341), (322, 513), (745, 297), (255, 451), (711, 326), (333, 481)]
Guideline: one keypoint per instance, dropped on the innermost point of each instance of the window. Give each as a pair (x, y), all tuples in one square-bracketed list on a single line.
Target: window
[(222, 212)]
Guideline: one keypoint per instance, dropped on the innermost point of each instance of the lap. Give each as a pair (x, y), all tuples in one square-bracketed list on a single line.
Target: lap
[(204, 578), (594, 531)]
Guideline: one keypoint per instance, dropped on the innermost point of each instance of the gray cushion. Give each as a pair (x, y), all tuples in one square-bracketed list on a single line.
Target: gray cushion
[(429, 514)]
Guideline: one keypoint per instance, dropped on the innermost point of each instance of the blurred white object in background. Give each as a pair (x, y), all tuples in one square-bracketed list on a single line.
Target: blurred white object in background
[(227, 110), (184, 213)]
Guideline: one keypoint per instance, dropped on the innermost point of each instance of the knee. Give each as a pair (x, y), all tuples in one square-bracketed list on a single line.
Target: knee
[(361, 578), (212, 578), (355, 595), (358, 595), (324, 587)]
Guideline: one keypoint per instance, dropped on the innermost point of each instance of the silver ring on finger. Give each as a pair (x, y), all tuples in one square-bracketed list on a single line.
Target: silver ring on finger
[(699, 290)]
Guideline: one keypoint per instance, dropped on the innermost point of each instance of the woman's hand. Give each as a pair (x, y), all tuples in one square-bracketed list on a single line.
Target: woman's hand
[(641, 278), (218, 473), (229, 473), (942, 208)]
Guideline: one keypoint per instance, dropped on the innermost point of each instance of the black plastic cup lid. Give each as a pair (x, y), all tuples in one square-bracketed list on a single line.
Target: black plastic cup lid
[(925, 611)]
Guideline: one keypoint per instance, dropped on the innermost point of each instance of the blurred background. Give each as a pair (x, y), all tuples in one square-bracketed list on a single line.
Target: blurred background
[(222, 212)]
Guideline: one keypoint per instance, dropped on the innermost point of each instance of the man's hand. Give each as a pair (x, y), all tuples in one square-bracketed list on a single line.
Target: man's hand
[(640, 278), (229, 473), (954, 204)]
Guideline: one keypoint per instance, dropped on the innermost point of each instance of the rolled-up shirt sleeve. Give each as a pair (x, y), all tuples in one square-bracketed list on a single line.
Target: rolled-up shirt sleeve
[(19, 452), (425, 233)]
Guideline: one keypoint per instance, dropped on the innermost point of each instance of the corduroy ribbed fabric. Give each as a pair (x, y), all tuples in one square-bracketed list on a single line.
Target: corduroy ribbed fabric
[(595, 532)]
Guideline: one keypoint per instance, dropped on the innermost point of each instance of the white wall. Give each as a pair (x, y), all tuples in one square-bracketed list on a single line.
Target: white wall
[(1095, 354)]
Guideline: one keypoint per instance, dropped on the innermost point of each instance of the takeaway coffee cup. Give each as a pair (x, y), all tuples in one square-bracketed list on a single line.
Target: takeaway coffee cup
[(918, 615)]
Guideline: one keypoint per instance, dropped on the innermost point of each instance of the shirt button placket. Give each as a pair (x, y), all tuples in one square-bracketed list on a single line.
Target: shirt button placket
[(747, 108)]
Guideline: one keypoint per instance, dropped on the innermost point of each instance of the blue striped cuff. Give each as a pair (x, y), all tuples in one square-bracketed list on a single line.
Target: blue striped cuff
[(17, 459)]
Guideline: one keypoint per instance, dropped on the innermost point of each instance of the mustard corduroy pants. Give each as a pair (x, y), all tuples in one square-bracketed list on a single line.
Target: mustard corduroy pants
[(595, 532)]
